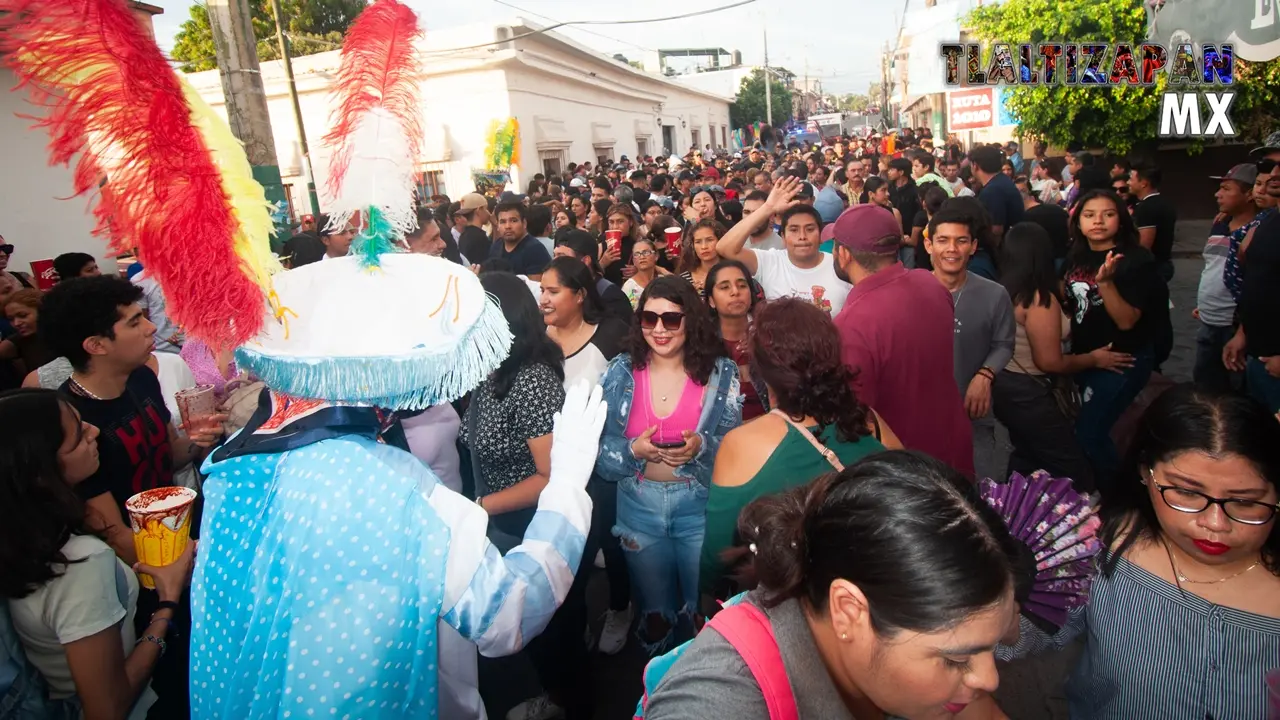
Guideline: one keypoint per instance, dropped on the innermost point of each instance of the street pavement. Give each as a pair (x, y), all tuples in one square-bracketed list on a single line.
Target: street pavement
[(1030, 689)]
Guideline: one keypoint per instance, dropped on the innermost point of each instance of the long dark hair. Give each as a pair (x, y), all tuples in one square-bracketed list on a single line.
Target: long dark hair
[(576, 277), (1187, 418), (712, 278), (795, 348), (702, 344), (1026, 266), (910, 532), (688, 256), (531, 344), (41, 511), (1126, 235)]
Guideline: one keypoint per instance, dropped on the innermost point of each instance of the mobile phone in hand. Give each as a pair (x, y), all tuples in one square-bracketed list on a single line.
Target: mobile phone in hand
[(669, 444)]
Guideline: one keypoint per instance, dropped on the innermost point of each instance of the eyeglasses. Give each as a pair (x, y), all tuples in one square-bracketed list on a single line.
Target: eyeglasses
[(643, 253), (1266, 166), (1247, 512), (670, 320)]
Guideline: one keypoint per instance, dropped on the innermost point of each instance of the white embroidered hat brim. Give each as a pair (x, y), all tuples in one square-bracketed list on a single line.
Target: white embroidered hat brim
[(416, 332)]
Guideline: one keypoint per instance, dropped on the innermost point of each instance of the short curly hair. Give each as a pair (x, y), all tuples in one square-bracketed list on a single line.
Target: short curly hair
[(795, 349), (80, 308)]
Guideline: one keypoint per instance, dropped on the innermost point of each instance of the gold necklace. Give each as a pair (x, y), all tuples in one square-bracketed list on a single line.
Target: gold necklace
[(1183, 578), (82, 389)]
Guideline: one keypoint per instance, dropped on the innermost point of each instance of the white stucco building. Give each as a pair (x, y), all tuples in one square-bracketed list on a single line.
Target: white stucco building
[(37, 214), (572, 103)]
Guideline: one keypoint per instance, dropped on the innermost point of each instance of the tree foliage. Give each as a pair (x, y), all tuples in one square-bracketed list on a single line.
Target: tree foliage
[(854, 102), (1117, 118), (313, 26), (749, 107)]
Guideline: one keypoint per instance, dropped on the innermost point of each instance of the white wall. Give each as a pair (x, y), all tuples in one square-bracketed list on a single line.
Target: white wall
[(37, 214)]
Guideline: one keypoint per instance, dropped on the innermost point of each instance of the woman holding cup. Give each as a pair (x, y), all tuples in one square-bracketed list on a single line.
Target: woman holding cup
[(72, 600), (645, 258)]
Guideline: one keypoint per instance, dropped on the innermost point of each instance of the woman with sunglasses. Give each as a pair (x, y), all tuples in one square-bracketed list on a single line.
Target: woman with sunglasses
[(699, 254), (1183, 621), (671, 397)]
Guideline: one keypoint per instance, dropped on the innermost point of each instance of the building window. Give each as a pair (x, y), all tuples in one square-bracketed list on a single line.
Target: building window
[(724, 136), (604, 155), (430, 182), (552, 161), (697, 139), (642, 146)]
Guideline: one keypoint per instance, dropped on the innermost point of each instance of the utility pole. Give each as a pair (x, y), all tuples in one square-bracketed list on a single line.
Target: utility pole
[(312, 202), (237, 52), (884, 87), (768, 83), (806, 87)]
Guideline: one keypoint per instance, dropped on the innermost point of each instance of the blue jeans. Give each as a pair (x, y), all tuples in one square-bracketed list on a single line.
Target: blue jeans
[(1105, 395), (1209, 370), (661, 526), (1263, 387)]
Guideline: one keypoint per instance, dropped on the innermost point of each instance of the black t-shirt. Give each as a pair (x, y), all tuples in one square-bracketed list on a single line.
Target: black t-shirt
[(133, 444), (1055, 221), (1157, 211), (528, 258), (907, 200), (1259, 306), (1003, 201), (613, 273), (615, 302), (473, 244), (1137, 282)]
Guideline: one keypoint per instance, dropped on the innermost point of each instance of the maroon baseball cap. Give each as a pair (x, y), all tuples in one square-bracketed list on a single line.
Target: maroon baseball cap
[(862, 228)]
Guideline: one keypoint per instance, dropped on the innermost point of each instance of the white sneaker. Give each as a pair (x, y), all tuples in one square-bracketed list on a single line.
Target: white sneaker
[(538, 708), (613, 636), (599, 562)]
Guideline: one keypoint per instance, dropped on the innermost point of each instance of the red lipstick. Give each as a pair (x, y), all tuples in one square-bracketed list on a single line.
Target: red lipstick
[(956, 708), (1211, 548)]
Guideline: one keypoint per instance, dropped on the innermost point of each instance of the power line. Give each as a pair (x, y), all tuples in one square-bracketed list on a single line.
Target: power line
[(591, 32), (553, 26)]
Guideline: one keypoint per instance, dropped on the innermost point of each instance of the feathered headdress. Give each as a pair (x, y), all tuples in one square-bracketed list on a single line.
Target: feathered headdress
[(175, 185), (503, 148), (377, 130), (420, 330)]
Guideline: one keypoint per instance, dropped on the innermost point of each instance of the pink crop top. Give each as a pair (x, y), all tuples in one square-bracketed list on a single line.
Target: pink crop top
[(670, 428)]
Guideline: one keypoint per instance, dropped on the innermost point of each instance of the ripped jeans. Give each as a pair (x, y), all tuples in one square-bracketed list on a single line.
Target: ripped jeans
[(661, 526)]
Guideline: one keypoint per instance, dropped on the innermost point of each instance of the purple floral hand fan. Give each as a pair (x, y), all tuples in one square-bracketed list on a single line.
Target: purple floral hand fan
[(1059, 529)]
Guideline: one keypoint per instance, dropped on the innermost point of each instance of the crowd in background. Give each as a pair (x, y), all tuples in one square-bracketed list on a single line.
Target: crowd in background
[(766, 324)]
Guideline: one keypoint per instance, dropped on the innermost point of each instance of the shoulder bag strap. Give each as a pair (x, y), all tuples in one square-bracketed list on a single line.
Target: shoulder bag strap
[(748, 630), (823, 450)]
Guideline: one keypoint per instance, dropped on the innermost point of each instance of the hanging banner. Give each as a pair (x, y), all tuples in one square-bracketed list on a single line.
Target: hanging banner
[(1252, 26)]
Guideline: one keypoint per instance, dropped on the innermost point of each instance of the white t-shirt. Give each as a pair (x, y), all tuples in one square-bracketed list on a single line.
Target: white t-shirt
[(589, 362), (819, 285), (772, 241), (87, 598), (175, 375)]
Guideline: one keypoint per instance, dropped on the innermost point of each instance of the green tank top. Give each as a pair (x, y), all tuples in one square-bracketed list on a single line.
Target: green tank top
[(793, 463)]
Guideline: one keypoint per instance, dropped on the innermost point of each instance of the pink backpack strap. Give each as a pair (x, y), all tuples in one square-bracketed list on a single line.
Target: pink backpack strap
[(748, 630)]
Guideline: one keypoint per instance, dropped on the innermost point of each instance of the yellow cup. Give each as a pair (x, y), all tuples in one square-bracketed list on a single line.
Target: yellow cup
[(161, 520)]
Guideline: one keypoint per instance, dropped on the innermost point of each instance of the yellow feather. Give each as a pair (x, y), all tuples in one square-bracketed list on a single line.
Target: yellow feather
[(247, 199)]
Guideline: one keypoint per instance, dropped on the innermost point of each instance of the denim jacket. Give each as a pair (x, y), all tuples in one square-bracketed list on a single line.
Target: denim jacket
[(720, 414)]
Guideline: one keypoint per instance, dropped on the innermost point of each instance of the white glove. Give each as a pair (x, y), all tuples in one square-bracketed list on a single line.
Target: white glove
[(576, 434)]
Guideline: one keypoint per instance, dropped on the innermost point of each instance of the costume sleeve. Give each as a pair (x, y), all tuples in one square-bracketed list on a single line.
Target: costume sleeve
[(1032, 640), (498, 602)]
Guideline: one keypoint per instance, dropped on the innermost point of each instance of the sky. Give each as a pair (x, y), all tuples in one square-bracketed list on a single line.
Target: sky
[(800, 34)]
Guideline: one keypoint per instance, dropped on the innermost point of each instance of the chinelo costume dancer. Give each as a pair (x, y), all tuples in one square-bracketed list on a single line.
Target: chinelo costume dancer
[(328, 556)]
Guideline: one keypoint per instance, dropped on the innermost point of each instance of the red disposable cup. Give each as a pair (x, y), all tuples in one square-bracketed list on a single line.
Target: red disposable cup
[(613, 241), (46, 277), (674, 237)]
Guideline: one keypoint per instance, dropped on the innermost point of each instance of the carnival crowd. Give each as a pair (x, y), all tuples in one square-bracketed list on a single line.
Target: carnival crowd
[(809, 355)]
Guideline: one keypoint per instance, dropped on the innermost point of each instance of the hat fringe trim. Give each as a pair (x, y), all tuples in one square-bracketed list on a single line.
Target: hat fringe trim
[(412, 381)]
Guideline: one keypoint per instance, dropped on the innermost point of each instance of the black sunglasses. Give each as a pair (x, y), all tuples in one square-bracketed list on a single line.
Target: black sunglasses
[(1265, 166), (670, 320), (6, 249)]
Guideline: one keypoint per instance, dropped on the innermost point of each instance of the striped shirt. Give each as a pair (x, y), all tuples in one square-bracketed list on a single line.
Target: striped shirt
[(1154, 651)]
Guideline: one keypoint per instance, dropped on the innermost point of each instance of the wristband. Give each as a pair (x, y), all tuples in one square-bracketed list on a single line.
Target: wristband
[(153, 639)]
